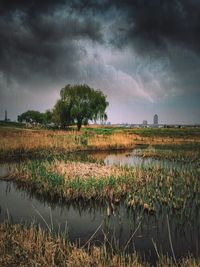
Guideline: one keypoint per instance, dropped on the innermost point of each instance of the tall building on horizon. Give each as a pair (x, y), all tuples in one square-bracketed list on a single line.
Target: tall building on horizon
[(6, 116), (145, 122), (155, 119)]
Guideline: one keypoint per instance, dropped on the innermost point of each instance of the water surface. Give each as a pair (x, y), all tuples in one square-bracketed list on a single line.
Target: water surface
[(134, 230), (81, 221)]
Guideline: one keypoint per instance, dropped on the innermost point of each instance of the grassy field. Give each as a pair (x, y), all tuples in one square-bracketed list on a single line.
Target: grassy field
[(18, 142), (185, 133), (11, 124)]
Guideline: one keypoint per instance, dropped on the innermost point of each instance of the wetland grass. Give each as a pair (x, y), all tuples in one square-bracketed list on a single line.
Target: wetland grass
[(188, 154), (158, 189), (17, 142), (20, 142), (32, 246), (149, 187)]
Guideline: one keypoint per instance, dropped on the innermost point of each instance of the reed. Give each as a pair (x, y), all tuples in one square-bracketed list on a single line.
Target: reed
[(189, 155), (149, 188), (32, 246), (16, 142)]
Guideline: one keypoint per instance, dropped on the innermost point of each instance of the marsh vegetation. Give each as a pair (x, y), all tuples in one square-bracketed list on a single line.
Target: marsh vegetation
[(22, 246), (18, 143), (154, 186)]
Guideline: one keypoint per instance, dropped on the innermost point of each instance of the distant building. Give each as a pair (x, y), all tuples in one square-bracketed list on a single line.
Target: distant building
[(144, 122), (6, 116), (155, 119)]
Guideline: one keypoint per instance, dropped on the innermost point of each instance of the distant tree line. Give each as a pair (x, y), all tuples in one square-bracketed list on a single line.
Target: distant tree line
[(31, 116), (78, 104)]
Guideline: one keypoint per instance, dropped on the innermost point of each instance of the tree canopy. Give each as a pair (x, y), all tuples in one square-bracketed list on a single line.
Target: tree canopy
[(78, 104), (36, 116)]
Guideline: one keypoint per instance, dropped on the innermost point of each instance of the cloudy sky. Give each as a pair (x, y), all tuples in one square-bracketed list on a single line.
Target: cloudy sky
[(143, 54)]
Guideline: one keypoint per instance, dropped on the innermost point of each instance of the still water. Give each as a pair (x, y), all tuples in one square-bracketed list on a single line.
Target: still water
[(80, 221), (132, 159), (130, 229)]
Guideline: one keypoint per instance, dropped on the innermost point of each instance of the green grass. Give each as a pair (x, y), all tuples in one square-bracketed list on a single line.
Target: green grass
[(100, 130), (168, 132), (147, 132), (174, 189), (11, 124), (150, 187), (144, 132)]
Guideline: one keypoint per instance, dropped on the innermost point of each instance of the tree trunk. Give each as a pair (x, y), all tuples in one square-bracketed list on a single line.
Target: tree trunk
[(79, 124)]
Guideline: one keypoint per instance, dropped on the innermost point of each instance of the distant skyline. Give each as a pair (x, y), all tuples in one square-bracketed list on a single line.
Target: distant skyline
[(144, 55)]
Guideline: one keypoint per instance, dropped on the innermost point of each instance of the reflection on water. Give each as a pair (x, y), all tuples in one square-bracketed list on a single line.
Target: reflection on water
[(127, 158), (6, 170), (82, 220), (131, 159)]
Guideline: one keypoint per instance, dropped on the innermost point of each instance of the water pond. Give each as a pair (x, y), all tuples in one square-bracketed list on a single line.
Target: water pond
[(80, 221), (133, 230)]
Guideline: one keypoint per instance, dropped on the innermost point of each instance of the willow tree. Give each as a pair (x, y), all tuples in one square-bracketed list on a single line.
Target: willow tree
[(79, 104)]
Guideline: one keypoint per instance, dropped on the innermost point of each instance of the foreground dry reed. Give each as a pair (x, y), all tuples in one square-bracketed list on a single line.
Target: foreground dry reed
[(30, 246), (20, 246)]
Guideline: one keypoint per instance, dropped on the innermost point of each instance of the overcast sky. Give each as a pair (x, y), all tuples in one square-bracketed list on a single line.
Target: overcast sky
[(143, 54)]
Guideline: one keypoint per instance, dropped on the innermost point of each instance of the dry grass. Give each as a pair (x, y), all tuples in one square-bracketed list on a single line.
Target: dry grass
[(115, 140), (21, 246), (72, 170), (178, 155), (140, 186), (74, 180), (23, 141), (29, 246)]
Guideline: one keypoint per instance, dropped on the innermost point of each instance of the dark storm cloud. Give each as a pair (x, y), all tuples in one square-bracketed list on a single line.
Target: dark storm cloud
[(160, 29), (163, 29), (32, 6), (41, 42), (131, 49), (157, 22), (150, 22), (40, 38)]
